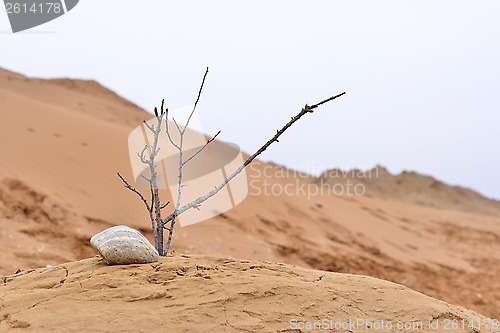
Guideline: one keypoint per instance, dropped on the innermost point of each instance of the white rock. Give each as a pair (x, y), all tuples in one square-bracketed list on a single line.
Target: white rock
[(122, 245)]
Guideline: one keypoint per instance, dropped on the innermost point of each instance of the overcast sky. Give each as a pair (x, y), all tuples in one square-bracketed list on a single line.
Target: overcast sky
[(422, 77)]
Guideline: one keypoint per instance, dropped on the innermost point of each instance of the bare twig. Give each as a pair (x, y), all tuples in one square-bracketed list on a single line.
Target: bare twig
[(199, 200), (141, 155), (149, 208), (150, 127), (169, 137), (197, 99), (182, 163), (203, 147), (130, 187), (176, 125)]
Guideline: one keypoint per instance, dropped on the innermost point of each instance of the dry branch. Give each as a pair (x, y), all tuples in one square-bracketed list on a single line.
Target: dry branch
[(159, 224), (197, 202)]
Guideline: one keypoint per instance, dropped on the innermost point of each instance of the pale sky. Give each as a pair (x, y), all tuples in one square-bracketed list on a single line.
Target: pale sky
[(422, 77)]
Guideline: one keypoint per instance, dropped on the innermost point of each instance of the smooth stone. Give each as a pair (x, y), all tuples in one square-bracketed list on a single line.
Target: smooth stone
[(123, 245)]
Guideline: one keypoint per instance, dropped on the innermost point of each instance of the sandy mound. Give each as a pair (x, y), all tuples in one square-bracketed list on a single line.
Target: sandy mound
[(210, 294)]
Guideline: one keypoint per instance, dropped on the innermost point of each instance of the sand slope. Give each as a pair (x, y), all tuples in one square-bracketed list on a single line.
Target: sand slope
[(210, 294), (411, 187), (62, 142)]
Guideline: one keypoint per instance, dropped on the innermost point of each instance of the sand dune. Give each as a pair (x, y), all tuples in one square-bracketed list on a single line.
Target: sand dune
[(62, 142), (411, 187), (216, 294)]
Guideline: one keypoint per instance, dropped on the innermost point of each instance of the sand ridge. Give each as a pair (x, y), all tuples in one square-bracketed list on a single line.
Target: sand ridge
[(413, 188)]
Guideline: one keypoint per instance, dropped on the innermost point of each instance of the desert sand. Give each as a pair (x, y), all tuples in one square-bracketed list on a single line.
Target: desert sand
[(214, 294), (62, 142)]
